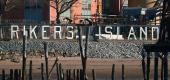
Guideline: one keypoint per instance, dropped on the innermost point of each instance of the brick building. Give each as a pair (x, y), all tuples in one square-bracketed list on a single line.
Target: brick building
[(27, 11), (81, 9), (38, 11)]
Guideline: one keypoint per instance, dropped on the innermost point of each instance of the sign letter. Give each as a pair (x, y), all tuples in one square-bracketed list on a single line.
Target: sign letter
[(32, 30), (14, 31), (155, 32), (109, 32), (44, 31), (70, 32), (132, 32), (144, 32), (57, 29)]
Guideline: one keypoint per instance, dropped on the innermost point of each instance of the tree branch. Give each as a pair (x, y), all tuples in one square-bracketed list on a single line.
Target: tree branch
[(67, 5)]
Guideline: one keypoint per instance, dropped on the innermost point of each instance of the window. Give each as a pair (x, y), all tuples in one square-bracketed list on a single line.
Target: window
[(86, 7), (33, 10), (33, 3)]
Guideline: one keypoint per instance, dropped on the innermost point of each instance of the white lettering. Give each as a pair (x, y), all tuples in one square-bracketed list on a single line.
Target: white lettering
[(32, 31), (57, 31), (70, 32), (144, 32), (109, 32), (44, 31), (155, 32), (14, 31), (118, 31), (132, 32)]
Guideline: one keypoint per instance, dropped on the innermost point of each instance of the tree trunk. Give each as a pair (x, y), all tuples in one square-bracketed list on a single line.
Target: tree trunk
[(58, 18)]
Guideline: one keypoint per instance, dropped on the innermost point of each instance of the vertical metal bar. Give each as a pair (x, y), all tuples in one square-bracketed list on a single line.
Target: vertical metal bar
[(85, 55), (3, 74), (78, 74), (46, 58), (74, 74), (86, 43), (60, 71), (165, 66), (42, 71), (81, 75), (67, 74), (94, 74), (143, 66), (123, 72), (11, 74), (162, 69), (148, 66), (113, 72), (63, 78), (57, 71), (19, 74), (83, 58), (24, 58), (30, 71), (156, 66), (16, 74)]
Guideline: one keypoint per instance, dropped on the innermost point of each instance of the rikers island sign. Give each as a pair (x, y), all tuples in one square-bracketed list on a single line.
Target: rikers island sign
[(101, 32)]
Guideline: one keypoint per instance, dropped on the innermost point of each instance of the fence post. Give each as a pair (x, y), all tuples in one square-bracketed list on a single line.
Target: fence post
[(57, 71), (78, 74), (83, 51), (94, 74), (19, 74), (63, 78), (60, 72), (30, 71), (46, 58), (156, 66), (162, 69), (74, 74), (143, 65), (123, 72), (69, 74), (81, 75), (11, 74), (42, 71), (3, 74), (148, 65), (16, 74), (24, 58), (165, 65), (113, 72)]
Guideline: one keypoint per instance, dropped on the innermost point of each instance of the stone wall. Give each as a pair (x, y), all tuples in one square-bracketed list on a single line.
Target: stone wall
[(100, 49)]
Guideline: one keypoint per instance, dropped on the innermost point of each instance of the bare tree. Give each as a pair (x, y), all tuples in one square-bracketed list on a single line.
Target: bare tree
[(6, 5), (62, 6), (84, 48)]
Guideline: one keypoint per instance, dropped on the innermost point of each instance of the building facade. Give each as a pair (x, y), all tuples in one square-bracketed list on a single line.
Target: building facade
[(39, 11), (81, 9), (27, 11)]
